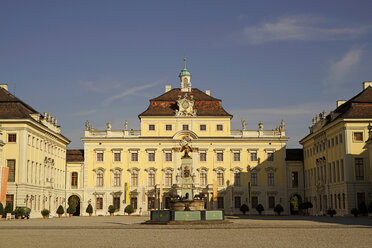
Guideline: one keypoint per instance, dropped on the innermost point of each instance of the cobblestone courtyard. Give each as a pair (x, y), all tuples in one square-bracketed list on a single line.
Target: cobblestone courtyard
[(127, 231)]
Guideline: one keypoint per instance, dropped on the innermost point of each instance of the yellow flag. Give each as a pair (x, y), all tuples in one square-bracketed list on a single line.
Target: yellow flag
[(215, 191), (127, 193), (161, 193)]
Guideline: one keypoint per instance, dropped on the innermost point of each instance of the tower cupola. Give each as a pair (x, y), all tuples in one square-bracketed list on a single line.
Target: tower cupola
[(185, 77)]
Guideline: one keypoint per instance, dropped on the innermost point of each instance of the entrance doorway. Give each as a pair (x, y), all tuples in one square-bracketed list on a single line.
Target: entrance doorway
[(74, 200)]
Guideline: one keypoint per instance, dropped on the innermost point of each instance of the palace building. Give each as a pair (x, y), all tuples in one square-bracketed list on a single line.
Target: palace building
[(32, 156), (338, 155), (142, 167)]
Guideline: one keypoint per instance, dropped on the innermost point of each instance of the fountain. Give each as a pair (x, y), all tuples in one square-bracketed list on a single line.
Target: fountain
[(186, 206)]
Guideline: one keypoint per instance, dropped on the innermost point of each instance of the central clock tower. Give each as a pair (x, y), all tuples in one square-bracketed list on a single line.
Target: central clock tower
[(185, 77)]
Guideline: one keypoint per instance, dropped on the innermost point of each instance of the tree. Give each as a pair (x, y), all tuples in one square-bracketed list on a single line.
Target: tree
[(71, 210), (45, 212), (8, 208), (259, 208), (89, 209), (278, 209), (244, 208), (60, 210), (331, 212), (1, 209), (111, 209), (129, 209)]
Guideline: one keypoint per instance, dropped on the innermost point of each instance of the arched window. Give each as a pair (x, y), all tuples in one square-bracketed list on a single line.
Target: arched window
[(220, 179), (237, 178), (117, 178), (74, 180), (99, 181), (168, 178), (203, 178), (134, 178), (151, 178)]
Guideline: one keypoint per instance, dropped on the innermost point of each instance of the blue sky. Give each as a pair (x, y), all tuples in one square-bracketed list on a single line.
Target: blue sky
[(103, 60)]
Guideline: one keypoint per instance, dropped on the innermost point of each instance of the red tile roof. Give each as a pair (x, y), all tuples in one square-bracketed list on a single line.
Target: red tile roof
[(11, 107), (166, 104), (75, 155)]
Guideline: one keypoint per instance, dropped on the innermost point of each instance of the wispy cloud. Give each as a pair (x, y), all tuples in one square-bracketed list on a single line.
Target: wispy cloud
[(300, 28), (88, 112), (128, 92), (339, 69), (99, 87)]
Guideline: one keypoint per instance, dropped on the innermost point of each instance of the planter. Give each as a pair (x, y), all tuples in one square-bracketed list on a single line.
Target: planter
[(70, 215), (129, 214), (19, 217), (45, 217), (90, 214), (60, 215), (111, 214)]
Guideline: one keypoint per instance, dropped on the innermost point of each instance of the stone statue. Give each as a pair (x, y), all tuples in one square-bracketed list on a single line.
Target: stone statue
[(87, 125), (126, 125), (260, 126), (108, 125), (369, 131), (281, 127), (185, 146), (244, 126)]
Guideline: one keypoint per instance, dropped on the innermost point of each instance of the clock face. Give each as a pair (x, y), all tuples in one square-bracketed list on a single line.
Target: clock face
[(185, 104)]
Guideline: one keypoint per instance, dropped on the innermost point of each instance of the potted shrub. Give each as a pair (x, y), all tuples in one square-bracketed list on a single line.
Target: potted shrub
[(8, 209), (27, 213), (355, 212), (60, 211), (363, 208), (244, 208), (278, 209), (45, 213), (1, 210), (89, 209), (331, 212), (111, 210), (129, 210), (19, 212), (260, 209), (71, 210)]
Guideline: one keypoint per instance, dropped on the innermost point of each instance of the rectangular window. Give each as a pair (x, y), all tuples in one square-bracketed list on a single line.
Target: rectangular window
[(219, 156), (11, 163), (254, 179), (236, 156), (358, 136), (117, 179), (134, 156), (237, 202), (270, 179), (203, 156), (99, 203), (336, 140), (254, 202), (203, 127), (270, 156), (151, 156), (12, 138), (340, 138), (338, 170), (151, 179), (117, 156), (253, 155), (116, 202), (334, 171), (168, 127), (185, 127), (359, 169), (203, 178), (151, 127), (219, 127), (99, 156), (133, 202), (330, 172), (151, 202), (294, 179), (342, 170), (168, 179), (271, 201), (220, 203), (168, 156)]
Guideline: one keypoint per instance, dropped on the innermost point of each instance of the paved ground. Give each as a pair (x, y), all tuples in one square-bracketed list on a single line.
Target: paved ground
[(127, 231)]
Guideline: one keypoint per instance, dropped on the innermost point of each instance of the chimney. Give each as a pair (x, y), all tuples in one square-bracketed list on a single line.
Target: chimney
[(168, 88), (208, 92), (367, 84), (4, 86), (339, 103)]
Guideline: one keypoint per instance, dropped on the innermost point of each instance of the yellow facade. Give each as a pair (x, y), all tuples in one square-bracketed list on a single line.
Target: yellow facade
[(336, 157)]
